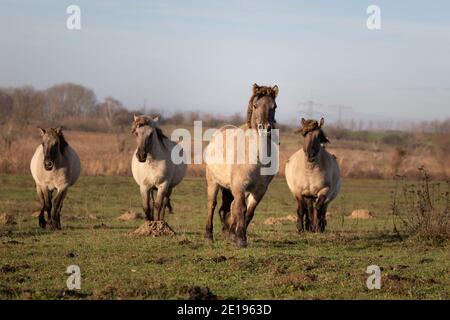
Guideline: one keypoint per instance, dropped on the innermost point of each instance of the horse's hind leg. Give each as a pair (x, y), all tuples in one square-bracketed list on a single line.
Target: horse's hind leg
[(225, 208), (40, 193), (168, 205), (213, 189)]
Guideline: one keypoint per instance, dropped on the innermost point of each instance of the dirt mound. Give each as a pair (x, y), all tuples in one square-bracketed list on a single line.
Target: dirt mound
[(92, 216), (154, 229), (278, 221), (7, 219), (130, 215), (361, 214)]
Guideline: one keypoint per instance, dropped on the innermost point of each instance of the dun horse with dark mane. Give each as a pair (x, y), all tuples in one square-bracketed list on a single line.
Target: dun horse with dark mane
[(312, 174), (243, 184), (55, 165), (153, 168)]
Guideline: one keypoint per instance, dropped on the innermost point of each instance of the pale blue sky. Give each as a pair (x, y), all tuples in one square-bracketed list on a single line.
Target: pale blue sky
[(205, 55)]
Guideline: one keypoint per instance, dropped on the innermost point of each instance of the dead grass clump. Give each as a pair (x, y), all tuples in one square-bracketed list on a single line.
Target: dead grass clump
[(7, 219), (361, 214), (279, 221)]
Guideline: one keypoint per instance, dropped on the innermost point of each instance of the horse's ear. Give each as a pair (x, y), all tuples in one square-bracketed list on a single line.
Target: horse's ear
[(135, 118), (42, 131), (156, 119), (275, 91), (303, 122), (322, 121), (59, 130), (255, 88)]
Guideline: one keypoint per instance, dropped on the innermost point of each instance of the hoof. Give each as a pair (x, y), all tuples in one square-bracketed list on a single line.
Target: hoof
[(241, 243), (42, 224), (209, 236)]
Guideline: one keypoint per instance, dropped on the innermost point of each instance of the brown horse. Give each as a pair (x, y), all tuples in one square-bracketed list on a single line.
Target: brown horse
[(312, 174), (243, 184)]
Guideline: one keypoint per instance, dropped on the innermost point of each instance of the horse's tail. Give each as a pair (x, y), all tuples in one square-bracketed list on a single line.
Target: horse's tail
[(225, 208)]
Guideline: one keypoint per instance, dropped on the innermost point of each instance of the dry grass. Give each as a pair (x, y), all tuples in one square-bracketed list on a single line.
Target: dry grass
[(424, 208), (110, 154)]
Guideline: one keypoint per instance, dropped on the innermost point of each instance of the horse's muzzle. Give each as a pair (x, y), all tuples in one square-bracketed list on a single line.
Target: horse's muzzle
[(141, 157), (48, 165)]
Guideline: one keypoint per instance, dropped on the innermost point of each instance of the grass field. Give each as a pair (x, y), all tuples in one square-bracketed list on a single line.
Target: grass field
[(278, 264)]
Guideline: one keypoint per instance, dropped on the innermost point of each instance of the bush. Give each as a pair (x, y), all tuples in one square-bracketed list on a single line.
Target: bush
[(423, 208)]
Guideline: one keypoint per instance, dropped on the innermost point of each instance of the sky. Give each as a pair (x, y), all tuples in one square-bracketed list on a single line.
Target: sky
[(205, 55)]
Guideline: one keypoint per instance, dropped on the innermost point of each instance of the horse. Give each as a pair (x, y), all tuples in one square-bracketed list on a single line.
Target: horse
[(153, 168), (313, 177), (243, 185), (55, 165)]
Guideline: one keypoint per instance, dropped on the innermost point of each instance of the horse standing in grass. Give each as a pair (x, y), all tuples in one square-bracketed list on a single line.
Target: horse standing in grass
[(312, 174), (243, 185), (55, 165), (152, 167)]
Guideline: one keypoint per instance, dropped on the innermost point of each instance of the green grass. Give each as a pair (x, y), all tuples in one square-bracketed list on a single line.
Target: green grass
[(278, 264)]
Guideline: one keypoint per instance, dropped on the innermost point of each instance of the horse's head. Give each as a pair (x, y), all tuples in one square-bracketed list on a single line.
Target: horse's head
[(53, 143), (314, 136), (261, 109), (144, 128)]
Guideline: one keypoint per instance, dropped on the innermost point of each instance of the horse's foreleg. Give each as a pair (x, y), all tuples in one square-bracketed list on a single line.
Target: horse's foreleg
[(302, 211), (57, 206), (48, 204), (213, 189), (147, 202), (253, 201), (321, 209), (40, 193), (238, 212), (159, 202)]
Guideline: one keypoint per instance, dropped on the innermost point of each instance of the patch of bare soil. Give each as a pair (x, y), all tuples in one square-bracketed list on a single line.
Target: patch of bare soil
[(201, 293), (36, 214), (361, 214), (7, 219), (154, 229), (280, 220), (130, 215), (92, 216)]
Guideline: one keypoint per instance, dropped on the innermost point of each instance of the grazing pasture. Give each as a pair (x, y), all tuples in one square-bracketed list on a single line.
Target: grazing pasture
[(278, 263)]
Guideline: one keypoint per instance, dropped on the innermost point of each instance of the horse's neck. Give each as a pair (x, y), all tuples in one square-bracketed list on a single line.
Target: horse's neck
[(157, 147)]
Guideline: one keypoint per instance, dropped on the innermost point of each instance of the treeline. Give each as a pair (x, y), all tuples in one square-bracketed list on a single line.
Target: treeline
[(78, 108)]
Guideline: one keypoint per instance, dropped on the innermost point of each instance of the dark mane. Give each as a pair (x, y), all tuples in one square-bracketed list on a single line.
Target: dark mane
[(57, 133), (258, 93)]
